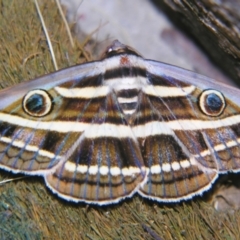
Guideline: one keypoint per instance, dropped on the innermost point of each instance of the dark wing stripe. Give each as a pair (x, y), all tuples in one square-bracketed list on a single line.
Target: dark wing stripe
[(6, 129), (124, 72), (88, 81), (165, 81), (50, 140)]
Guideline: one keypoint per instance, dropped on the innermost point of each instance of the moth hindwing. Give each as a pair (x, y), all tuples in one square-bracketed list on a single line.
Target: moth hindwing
[(101, 131)]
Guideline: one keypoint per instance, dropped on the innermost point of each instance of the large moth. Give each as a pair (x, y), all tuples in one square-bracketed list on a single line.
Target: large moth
[(101, 131)]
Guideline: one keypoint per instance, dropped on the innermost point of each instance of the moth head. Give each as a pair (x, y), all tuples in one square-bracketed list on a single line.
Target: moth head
[(212, 102), (37, 103), (117, 48)]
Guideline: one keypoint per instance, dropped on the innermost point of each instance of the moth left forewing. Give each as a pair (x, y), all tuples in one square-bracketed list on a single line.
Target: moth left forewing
[(34, 130), (185, 148)]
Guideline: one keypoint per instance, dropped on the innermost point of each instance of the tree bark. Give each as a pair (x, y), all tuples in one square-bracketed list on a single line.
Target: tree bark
[(214, 25)]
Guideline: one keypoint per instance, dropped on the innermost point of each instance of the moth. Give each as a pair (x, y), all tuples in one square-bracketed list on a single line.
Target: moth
[(102, 131)]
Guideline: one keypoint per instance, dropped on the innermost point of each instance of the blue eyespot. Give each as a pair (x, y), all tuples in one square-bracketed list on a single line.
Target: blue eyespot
[(212, 102), (37, 103)]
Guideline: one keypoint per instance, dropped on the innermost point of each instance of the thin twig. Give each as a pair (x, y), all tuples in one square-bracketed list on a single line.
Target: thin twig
[(46, 34), (12, 179), (65, 23)]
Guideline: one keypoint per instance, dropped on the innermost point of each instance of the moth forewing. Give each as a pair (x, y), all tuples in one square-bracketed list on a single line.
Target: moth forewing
[(194, 79)]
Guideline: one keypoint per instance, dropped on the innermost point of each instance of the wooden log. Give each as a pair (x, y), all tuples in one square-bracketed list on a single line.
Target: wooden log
[(214, 25)]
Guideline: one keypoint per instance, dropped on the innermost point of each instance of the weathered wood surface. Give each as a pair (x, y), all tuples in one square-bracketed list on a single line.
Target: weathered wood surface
[(215, 25)]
